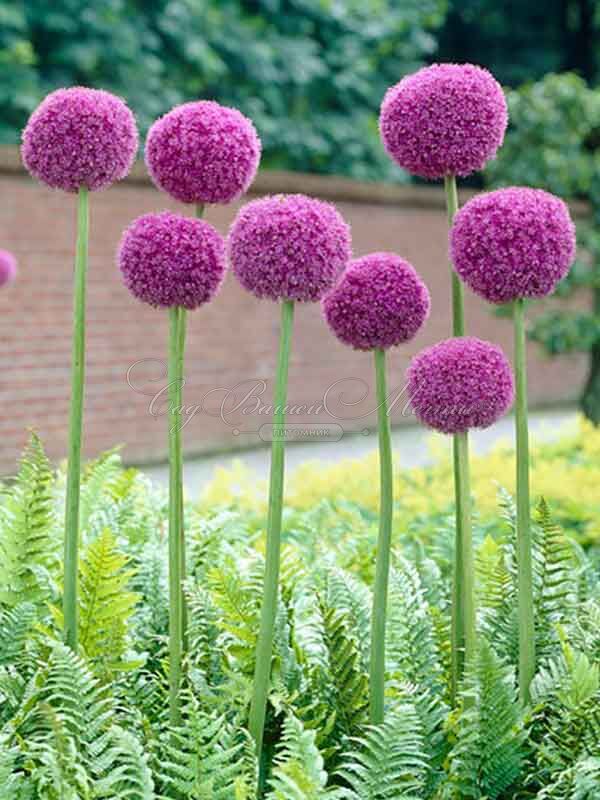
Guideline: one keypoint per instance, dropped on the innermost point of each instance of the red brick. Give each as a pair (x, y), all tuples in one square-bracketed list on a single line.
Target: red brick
[(232, 340)]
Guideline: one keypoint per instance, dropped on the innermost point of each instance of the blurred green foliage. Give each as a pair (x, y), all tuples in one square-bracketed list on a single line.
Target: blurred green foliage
[(310, 73), (523, 40), (553, 143)]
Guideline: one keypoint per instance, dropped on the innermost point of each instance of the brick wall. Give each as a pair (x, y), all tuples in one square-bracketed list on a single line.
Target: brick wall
[(234, 339)]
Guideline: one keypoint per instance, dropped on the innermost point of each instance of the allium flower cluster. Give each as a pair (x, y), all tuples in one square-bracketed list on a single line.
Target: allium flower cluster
[(460, 384), (513, 243), (289, 247), (379, 302), (8, 267), (171, 260), (446, 119), (202, 152), (80, 137)]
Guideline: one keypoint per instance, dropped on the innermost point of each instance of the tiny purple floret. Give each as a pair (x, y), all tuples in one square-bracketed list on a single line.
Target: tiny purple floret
[(446, 119), (202, 152), (513, 243), (8, 267), (289, 247), (80, 137), (459, 384), (170, 260), (379, 302)]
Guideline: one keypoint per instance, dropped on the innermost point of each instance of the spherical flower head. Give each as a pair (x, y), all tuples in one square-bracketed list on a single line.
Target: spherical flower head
[(460, 384), (169, 260), (203, 152), (289, 247), (379, 302), (8, 267), (446, 119), (80, 137), (513, 243)]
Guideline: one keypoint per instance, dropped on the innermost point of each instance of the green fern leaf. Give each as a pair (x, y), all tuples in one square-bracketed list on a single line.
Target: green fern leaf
[(29, 539), (298, 771), (388, 762), (488, 756), (207, 759)]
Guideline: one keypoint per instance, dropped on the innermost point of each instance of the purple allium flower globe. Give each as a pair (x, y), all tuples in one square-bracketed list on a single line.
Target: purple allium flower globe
[(379, 302), (289, 247), (8, 267), (459, 384), (446, 119), (80, 137), (202, 152), (170, 260), (513, 243)]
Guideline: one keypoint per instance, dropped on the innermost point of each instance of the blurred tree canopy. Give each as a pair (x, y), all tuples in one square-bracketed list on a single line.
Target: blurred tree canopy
[(522, 40), (553, 143), (310, 73)]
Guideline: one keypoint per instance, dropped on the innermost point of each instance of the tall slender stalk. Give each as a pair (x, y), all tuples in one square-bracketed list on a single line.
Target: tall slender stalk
[(524, 558), (464, 524), (177, 318), (458, 294), (382, 571), (459, 601), (199, 211), (75, 423), (264, 646)]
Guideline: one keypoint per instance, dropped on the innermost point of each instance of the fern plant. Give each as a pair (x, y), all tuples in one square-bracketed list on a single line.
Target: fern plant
[(209, 758), (94, 725), (388, 761), (29, 537), (298, 768), (489, 754), (105, 604)]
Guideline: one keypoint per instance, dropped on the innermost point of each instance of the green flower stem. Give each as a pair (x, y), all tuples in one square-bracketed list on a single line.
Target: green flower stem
[(464, 524), (458, 586), (76, 423), (524, 558), (177, 318), (199, 212), (458, 294), (264, 647), (382, 571)]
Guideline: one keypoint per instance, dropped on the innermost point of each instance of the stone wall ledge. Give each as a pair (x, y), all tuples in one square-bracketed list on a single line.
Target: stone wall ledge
[(327, 187)]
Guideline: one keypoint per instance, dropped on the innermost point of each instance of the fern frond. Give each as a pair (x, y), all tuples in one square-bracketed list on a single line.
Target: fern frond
[(411, 648), (236, 590), (15, 626), (348, 679), (122, 767), (351, 596), (29, 539), (150, 622), (332, 699), (489, 752), (207, 759), (298, 770), (12, 778), (432, 713), (555, 591), (308, 627), (565, 695), (579, 782), (496, 595), (388, 761), (99, 479), (105, 604), (68, 737)]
